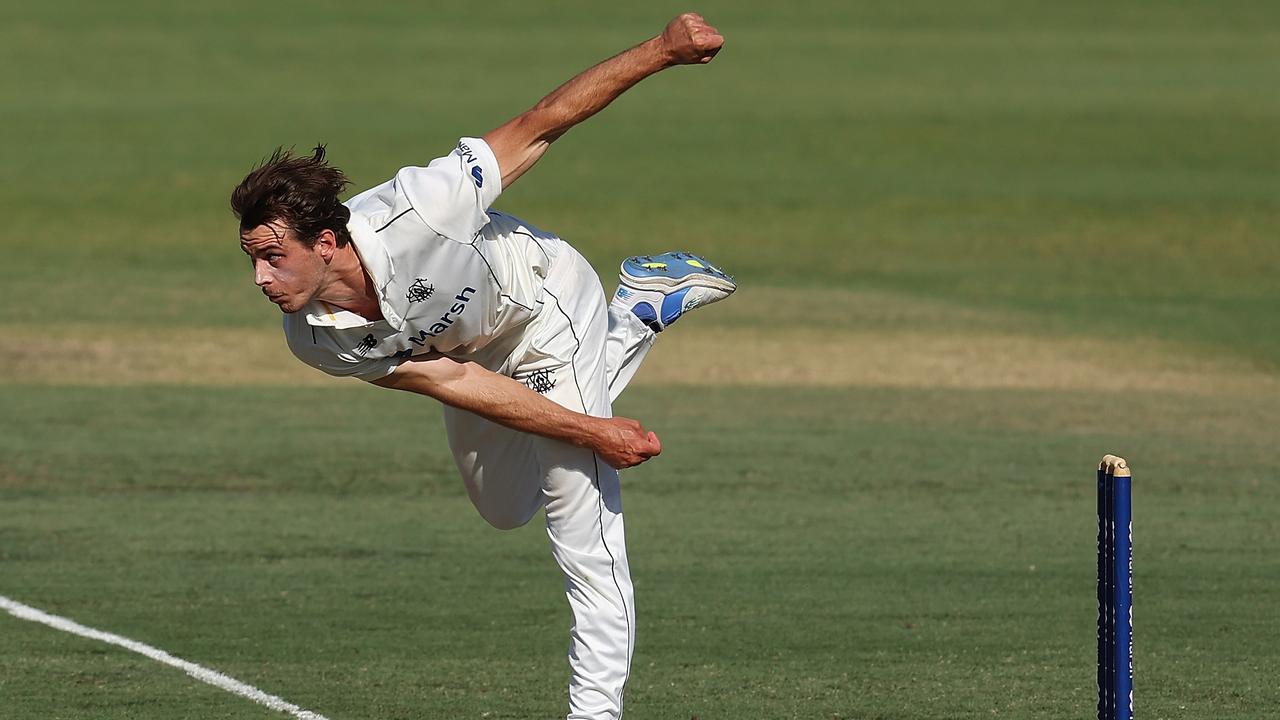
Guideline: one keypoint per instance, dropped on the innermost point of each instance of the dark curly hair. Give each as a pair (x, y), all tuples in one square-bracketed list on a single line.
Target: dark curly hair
[(301, 192)]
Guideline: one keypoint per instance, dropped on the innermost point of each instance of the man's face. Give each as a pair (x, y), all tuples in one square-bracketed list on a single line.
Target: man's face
[(289, 273)]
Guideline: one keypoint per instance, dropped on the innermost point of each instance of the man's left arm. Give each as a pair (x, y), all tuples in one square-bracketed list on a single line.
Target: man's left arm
[(518, 144), (621, 442)]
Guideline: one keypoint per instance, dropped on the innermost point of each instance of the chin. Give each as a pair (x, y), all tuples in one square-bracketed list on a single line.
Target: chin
[(286, 306)]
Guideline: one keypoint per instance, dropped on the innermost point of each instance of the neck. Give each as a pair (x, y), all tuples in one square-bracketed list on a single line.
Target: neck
[(350, 287)]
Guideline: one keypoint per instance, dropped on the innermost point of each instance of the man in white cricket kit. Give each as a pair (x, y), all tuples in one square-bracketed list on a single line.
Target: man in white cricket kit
[(416, 285)]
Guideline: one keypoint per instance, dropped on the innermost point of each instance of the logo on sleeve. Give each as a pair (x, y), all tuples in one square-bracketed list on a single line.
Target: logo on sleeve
[(469, 157), (368, 343)]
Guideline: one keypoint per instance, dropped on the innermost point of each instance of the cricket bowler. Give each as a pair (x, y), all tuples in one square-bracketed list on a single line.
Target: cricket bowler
[(417, 285)]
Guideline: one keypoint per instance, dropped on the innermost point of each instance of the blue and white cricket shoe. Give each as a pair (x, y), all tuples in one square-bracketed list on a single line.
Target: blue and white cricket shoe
[(660, 288)]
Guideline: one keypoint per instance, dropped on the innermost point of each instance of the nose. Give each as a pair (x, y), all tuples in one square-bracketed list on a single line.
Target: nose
[(261, 277)]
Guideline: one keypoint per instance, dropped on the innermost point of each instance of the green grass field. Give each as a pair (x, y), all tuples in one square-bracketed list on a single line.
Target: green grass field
[(979, 245)]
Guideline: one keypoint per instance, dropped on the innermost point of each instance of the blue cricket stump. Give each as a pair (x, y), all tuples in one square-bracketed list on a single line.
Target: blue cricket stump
[(1115, 590)]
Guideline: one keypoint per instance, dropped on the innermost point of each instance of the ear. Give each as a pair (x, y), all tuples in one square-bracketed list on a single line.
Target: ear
[(327, 245)]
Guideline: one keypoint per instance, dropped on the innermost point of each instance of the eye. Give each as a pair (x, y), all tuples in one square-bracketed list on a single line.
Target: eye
[(274, 258)]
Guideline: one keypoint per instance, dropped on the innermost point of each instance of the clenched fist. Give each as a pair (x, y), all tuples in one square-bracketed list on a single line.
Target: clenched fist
[(624, 443), (690, 40)]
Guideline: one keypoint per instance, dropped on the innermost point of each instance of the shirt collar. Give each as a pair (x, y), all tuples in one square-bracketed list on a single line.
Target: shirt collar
[(377, 263)]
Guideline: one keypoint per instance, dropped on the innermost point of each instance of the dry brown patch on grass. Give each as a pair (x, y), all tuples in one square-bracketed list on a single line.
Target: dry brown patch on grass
[(939, 359), (843, 338), (868, 338), (112, 356)]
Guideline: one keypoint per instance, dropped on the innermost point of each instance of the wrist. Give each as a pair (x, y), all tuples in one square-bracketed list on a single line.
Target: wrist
[(591, 431), (657, 50)]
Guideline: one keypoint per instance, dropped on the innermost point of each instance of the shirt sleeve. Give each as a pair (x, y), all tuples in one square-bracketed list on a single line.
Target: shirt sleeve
[(452, 193), (335, 362)]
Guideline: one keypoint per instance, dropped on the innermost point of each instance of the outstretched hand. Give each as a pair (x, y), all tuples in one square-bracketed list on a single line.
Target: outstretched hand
[(624, 443), (689, 40)]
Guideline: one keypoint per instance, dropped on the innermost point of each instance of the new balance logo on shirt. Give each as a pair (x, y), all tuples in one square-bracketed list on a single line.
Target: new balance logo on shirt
[(469, 157)]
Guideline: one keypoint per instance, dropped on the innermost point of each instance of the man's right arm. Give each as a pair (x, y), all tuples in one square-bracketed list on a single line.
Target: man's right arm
[(687, 40), (452, 193), (621, 442)]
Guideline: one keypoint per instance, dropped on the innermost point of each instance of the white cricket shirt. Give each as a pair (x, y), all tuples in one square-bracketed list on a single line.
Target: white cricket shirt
[(450, 277)]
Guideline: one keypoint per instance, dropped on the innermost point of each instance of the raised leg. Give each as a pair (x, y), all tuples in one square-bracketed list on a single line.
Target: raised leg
[(654, 291), (628, 343)]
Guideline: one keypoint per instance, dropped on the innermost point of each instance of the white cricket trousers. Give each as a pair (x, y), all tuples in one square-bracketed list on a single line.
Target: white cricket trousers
[(580, 352)]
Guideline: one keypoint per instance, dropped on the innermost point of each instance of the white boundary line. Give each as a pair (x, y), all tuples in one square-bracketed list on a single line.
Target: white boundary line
[(203, 674)]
